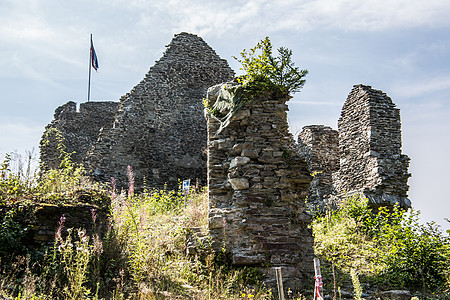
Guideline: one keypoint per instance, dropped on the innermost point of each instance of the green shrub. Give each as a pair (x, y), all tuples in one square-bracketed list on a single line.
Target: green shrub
[(415, 255), (265, 75), (340, 237), (390, 247), (280, 70), (12, 185)]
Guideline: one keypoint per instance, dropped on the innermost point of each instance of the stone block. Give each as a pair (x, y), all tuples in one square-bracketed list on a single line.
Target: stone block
[(242, 114), (251, 153), (239, 161), (239, 183), (396, 295), (216, 222), (240, 259)]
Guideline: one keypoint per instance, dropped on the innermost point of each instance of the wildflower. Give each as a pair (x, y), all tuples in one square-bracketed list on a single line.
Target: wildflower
[(60, 227), (113, 187), (94, 215), (98, 245), (109, 226), (130, 181)]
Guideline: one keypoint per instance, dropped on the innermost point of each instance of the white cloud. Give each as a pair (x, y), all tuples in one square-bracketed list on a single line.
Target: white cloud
[(378, 15), (25, 30), (23, 21), (423, 87), (28, 71), (232, 17)]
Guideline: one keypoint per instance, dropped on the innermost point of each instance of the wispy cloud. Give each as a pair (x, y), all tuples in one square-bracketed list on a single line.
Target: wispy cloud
[(25, 137), (218, 17), (28, 71), (378, 15), (423, 87)]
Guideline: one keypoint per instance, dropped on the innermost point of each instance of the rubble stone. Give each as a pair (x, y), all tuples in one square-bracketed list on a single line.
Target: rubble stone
[(371, 162), (78, 131), (259, 216)]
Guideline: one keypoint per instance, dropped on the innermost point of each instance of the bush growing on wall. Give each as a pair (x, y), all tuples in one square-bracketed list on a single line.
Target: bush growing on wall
[(279, 70), (264, 74)]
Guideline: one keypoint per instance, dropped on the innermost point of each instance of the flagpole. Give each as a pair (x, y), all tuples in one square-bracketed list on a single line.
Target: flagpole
[(90, 66)]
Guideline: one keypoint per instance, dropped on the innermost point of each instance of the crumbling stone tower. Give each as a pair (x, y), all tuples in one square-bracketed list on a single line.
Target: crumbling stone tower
[(257, 184), (371, 162), (159, 129)]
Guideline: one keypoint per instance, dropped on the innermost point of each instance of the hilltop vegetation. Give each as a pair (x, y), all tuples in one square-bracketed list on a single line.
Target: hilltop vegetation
[(382, 249), (142, 255)]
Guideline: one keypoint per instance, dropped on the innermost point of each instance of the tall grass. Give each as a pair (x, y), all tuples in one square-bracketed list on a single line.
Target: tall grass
[(142, 255)]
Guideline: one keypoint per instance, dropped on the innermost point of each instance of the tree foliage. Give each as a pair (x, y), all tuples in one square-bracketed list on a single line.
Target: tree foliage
[(265, 74), (259, 63)]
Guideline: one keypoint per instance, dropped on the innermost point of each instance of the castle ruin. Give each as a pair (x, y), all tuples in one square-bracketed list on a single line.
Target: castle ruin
[(363, 156), (257, 184), (75, 131), (158, 128), (258, 177)]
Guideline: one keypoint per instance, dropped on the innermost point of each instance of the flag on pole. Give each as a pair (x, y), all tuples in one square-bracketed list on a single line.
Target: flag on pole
[(94, 60)]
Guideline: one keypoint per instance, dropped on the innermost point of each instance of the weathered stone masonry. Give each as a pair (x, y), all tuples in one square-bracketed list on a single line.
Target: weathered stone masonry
[(257, 184), (78, 130), (370, 144), (318, 145), (160, 130), (370, 161)]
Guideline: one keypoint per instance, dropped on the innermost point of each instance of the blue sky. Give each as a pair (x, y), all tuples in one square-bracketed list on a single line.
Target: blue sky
[(401, 47)]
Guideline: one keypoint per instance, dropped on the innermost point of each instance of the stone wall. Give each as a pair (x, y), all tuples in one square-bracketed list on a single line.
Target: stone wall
[(78, 130), (257, 184), (370, 143), (318, 145), (46, 218), (41, 221), (160, 130), (363, 156)]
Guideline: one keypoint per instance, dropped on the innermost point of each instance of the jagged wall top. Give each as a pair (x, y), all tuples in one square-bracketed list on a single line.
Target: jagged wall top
[(159, 128), (370, 148), (172, 72), (78, 129)]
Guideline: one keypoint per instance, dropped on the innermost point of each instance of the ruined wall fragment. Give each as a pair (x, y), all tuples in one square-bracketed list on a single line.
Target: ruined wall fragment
[(371, 161), (160, 130), (78, 130), (318, 145), (257, 184)]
